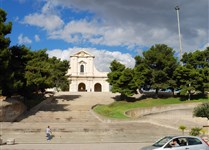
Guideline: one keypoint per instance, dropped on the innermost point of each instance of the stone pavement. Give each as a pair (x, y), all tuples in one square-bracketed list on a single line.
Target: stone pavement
[(72, 122), (89, 146)]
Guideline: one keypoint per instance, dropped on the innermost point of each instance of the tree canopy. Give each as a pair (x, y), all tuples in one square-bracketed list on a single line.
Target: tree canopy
[(194, 74), (23, 71), (122, 79), (156, 67), (5, 29)]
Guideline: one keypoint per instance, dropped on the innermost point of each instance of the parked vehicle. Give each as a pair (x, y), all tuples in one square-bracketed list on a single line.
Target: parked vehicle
[(182, 143)]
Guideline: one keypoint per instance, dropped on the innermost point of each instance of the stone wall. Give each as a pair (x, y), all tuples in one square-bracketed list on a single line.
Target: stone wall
[(139, 112), (10, 109)]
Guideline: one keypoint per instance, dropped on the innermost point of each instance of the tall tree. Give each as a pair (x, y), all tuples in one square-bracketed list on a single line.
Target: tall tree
[(38, 73), (58, 73), (161, 63), (122, 80), (142, 73), (198, 63), (17, 64), (184, 78), (5, 28)]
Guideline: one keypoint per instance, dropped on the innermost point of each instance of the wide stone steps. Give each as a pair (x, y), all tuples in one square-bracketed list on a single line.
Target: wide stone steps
[(75, 116), (85, 133)]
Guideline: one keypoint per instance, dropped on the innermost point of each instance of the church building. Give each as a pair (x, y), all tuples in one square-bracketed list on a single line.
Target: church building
[(83, 76)]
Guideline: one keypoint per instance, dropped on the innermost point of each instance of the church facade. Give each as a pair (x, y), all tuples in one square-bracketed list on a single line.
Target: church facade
[(83, 76)]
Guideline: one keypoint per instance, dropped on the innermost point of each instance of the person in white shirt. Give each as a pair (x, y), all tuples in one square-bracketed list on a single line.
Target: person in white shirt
[(175, 143), (48, 133)]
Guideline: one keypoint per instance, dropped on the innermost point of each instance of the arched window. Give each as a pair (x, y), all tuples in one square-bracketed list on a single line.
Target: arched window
[(82, 68)]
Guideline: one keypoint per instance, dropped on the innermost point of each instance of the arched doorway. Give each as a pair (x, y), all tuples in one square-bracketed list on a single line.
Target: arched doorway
[(98, 87), (81, 87)]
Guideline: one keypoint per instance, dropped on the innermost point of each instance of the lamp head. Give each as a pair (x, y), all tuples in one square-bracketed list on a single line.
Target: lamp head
[(177, 8)]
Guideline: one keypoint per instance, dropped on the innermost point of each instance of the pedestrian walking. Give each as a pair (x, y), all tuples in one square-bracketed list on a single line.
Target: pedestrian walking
[(48, 133)]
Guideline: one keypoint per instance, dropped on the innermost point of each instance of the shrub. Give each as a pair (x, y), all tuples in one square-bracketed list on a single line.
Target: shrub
[(182, 128), (195, 131), (202, 110)]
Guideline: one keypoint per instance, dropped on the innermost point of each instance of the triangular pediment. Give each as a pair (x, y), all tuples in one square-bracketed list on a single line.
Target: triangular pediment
[(83, 53)]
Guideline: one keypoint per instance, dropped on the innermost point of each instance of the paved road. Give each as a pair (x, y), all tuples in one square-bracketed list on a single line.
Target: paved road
[(94, 146)]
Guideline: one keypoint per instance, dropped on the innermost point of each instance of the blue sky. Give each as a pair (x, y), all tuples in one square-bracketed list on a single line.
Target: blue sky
[(118, 29)]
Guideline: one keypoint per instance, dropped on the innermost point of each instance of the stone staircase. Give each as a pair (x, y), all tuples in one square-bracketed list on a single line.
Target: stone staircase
[(66, 108), (71, 120)]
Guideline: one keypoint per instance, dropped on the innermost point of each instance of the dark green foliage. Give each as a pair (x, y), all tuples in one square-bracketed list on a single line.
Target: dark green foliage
[(142, 73), (43, 72), (197, 59), (122, 80), (22, 71), (155, 69), (116, 71), (58, 73), (16, 70), (33, 71), (195, 72), (37, 71), (202, 110), (5, 28), (159, 69), (183, 77)]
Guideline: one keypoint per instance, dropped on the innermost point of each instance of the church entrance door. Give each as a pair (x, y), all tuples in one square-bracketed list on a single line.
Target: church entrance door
[(98, 87), (81, 87)]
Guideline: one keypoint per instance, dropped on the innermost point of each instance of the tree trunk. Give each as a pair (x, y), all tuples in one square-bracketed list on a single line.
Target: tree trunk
[(156, 92)]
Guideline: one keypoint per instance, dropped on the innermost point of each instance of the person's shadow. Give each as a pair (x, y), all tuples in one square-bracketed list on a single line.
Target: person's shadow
[(52, 136)]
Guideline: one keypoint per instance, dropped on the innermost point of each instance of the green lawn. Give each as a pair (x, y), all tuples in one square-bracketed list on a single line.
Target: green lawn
[(117, 109)]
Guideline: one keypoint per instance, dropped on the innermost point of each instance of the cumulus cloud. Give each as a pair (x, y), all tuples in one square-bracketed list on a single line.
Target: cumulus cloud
[(103, 58), (46, 21), (24, 39), (133, 23), (37, 38), (148, 22), (96, 33)]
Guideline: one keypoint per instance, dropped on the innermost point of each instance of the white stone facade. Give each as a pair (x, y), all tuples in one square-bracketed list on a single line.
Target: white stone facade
[(83, 76)]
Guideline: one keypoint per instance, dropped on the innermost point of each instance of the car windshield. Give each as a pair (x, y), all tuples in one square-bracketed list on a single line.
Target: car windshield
[(162, 141)]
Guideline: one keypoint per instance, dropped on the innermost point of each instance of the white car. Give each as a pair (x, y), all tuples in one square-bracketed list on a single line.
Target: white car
[(183, 143)]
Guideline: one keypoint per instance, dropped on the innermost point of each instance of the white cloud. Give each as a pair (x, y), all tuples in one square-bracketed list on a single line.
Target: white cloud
[(122, 23), (96, 33), (37, 38), (103, 58), (61, 54), (24, 39), (46, 21)]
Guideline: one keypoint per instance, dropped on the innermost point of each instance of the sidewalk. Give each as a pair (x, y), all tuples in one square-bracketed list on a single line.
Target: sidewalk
[(91, 146)]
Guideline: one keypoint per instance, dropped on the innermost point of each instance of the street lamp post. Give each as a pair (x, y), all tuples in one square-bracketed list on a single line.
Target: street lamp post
[(179, 30)]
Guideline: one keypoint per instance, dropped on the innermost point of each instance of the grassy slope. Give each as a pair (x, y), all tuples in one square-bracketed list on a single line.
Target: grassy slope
[(117, 109)]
